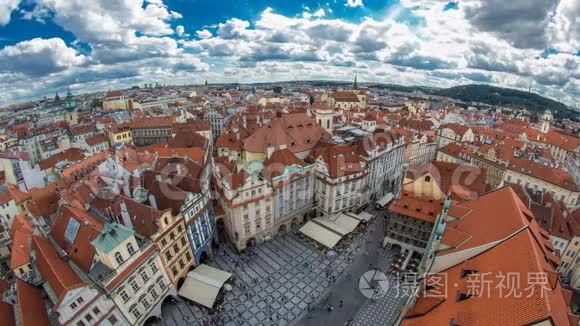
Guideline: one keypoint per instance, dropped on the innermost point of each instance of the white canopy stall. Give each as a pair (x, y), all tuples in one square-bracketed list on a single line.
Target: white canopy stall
[(203, 284), (385, 200), (328, 232)]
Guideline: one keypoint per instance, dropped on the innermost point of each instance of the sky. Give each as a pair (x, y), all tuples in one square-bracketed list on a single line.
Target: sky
[(47, 46)]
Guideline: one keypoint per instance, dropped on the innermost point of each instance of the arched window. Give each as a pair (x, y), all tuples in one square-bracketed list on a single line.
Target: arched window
[(144, 301), (427, 179), (130, 248), (118, 258), (135, 311)]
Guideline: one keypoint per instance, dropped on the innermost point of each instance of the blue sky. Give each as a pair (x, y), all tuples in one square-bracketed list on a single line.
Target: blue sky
[(49, 45)]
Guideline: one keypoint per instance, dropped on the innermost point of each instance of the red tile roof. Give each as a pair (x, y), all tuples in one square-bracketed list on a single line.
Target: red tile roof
[(274, 166), (81, 251), (44, 201), (155, 122), (96, 140), (54, 270), (456, 127), (32, 310), (526, 253), (6, 309), (345, 96), (21, 234), (496, 226), (71, 155), (114, 94), (417, 206), (461, 181), (296, 131)]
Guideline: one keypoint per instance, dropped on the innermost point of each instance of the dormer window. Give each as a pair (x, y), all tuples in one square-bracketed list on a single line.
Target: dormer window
[(130, 249), (119, 258)]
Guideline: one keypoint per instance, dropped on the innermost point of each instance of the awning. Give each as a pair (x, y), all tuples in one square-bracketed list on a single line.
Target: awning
[(203, 284), (362, 216), (365, 216), (320, 234), (386, 199), (347, 222), (323, 221)]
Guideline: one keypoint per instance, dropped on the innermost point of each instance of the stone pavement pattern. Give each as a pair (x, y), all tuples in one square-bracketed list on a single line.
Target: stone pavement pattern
[(278, 280), (281, 278), (385, 309)]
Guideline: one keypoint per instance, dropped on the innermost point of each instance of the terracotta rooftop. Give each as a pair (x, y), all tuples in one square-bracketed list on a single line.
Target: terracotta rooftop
[(6, 309), (96, 140), (113, 94), (456, 127), (54, 270), (70, 155), (417, 206), (155, 122), (79, 248), (31, 309), (21, 234), (296, 131), (519, 246), (44, 201)]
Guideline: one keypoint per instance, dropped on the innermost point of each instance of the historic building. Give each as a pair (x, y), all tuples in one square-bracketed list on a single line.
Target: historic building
[(148, 131)]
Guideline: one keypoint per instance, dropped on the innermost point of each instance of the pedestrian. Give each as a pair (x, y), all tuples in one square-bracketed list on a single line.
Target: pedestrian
[(340, 304)]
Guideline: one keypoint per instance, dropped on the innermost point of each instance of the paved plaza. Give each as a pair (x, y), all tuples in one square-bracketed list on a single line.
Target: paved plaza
[(287, 281), (385, 309)]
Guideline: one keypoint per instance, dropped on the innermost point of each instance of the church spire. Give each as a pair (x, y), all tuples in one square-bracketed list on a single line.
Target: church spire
[(355, 85)]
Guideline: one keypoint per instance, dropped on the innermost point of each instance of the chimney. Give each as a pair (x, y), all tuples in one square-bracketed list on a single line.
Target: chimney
[(125, 215), (152, 201)]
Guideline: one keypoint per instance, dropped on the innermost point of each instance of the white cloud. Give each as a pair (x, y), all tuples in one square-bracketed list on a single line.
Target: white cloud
[(354, 3), (38, 57), (180, 30), (6, 8), (318, 14), (106, 21), (204, 34)]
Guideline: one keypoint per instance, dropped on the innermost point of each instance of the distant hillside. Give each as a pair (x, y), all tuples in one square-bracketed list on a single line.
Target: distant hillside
[(506, 97)]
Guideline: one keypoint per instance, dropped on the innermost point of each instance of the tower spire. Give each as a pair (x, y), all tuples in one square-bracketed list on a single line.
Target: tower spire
[(355, 85)]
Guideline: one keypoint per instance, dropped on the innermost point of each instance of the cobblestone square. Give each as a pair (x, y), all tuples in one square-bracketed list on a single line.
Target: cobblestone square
[(281, 278)]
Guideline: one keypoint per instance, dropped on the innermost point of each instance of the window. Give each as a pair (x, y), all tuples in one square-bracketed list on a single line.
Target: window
[(73, 305), (80, 300), (96, 311), (112, 319), (133, 310), (134, 285), (124, 296), (118, 258), (88, 317), (144, 301), (130, 249), (144, 275), (153, 293), (153, 266), (80, 323)]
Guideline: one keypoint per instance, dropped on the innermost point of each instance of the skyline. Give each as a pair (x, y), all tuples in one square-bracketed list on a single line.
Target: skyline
[(48, 45)]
